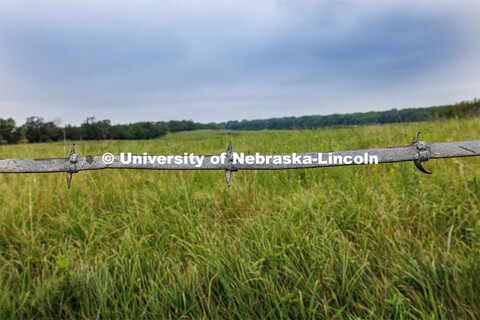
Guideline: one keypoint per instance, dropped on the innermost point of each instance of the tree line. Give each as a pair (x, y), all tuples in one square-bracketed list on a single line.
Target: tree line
[(36, 129)]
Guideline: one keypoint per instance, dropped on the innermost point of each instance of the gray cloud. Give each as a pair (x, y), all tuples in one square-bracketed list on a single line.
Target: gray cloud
[(217, 61)]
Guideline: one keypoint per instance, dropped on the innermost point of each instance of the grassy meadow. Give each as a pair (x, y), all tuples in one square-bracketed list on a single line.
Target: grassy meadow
[(379, 241)]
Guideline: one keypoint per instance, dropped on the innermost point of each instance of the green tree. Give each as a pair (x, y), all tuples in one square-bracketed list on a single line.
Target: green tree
[(9, 133)]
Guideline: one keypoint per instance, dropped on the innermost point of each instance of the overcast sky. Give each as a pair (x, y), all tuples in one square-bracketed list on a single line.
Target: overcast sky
[(233, 60)]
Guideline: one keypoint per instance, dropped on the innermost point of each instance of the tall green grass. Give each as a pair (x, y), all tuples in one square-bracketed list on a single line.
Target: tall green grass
[(379, 241)]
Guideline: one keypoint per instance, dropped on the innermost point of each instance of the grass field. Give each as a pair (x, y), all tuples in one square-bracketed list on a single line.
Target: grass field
[(300, 244)]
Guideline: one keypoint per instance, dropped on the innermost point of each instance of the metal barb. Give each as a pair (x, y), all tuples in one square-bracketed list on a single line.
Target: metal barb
[(229, 158), (231, 167), (69, 179), (422, 153), (71, 166), (72, 151)]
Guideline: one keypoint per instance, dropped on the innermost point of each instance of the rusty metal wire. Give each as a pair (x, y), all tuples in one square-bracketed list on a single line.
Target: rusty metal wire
[(417, 151)]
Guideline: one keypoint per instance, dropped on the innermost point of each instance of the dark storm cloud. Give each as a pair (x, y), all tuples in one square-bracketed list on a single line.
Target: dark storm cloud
[(215, 61)]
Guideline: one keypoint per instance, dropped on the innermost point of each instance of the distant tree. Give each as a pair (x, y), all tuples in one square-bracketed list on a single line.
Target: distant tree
[(95, 130), (9, 133), (36, 130), (462, 110)]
